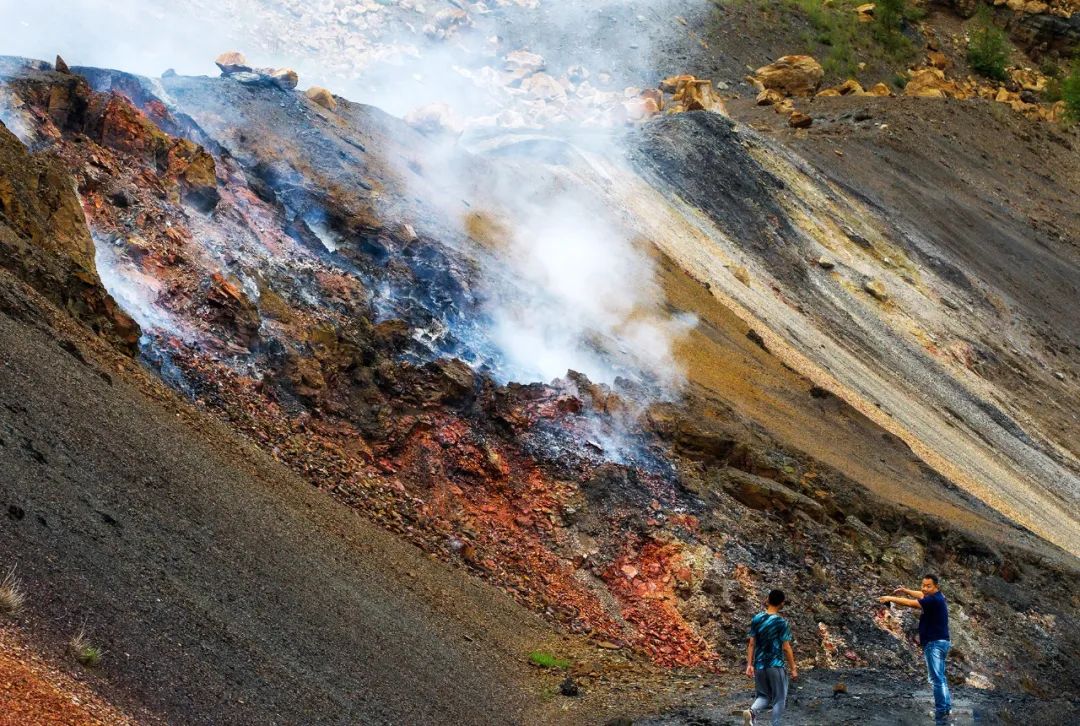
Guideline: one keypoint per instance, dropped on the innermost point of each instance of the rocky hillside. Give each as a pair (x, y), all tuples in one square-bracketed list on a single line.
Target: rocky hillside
[(629, 357)]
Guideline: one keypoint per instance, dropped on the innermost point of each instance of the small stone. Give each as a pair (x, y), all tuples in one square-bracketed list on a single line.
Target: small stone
[(825, 263), (799, 120), (741, 274), (876, 289), (769, 97), (569, 688)]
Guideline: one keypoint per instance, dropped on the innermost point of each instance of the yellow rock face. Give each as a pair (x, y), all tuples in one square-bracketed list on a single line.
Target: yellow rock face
[(792, 75)]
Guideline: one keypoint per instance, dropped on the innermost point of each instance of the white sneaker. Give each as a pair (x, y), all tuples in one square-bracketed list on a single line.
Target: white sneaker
[(748, 718)]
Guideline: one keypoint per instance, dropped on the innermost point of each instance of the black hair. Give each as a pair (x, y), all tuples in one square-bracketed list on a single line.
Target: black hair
[(932, 578), (776, 598)]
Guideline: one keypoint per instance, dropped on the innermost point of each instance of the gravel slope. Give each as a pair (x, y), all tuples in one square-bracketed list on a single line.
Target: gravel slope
[(223, 589)]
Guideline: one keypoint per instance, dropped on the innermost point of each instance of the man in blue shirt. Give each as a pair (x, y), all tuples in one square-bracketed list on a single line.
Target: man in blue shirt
[(933, 636), (769, 645)]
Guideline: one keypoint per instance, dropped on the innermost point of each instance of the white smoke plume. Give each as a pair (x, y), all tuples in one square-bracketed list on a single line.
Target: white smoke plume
[(12, 117), (575, 290), (135, 292)]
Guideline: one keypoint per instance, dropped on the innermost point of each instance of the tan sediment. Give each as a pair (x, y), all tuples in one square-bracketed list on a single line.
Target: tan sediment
[(681, 233)]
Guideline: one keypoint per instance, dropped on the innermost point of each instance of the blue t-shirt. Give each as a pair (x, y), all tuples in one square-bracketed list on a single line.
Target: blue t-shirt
[(769, 632), (934, 621)]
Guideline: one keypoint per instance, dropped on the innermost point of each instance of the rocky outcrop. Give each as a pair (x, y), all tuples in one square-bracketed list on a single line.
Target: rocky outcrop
[(45, 242), (1046, 34)]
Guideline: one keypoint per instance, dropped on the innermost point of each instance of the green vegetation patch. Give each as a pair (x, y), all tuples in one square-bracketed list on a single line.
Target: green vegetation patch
[(543, 659), (1070, 92), (988, 48), (848, 40)]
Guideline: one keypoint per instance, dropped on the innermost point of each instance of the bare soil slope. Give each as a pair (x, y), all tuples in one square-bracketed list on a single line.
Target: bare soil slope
[(223, 589)]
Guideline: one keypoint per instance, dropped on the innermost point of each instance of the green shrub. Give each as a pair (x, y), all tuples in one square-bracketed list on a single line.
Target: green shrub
[(988, 48), (547, 660), (889, 14), (1052, 92), (1070, 92), (1049, 68)]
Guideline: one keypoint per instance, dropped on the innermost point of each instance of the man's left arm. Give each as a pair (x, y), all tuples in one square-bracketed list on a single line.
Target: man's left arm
[(789, 654)]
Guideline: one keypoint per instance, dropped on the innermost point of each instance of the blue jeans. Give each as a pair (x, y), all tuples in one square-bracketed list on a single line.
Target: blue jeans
[(934, 652)]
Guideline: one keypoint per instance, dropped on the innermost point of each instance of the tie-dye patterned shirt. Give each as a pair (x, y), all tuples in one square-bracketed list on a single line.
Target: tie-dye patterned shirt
[(769, 632)]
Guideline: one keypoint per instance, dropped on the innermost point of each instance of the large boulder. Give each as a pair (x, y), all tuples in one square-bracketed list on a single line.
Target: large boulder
[(321, 96), (932, 83), (792, 75), (232, 62), (285, 78)]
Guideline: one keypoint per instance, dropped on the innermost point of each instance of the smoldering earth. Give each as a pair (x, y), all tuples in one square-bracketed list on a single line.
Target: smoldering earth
[(384, 310)]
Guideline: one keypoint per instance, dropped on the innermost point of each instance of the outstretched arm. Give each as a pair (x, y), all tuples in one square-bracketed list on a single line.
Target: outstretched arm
[(750, 658), (901, 601), (910, 593), (789, 654)]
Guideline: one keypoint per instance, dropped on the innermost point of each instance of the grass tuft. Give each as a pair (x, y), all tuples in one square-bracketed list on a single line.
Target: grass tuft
[(544, 659), (12, 595), (85, 652), (1070, 92)]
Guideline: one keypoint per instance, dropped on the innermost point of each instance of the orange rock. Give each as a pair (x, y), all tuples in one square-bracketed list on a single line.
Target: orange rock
[(769, 97), (937, 59), (321, 96), (799, 120), (932, 83), (232, 62), (693, 94), (285, 78), (850, 87), (792, 75), (672, 83)]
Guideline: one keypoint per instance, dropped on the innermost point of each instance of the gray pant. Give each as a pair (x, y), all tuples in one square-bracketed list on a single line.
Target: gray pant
[(771, 685)]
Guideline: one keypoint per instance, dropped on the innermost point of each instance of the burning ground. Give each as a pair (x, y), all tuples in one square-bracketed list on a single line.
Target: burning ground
[(807, 384)]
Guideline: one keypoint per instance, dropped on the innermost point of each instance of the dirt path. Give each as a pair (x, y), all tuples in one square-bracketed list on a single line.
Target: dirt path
[(868, 698)]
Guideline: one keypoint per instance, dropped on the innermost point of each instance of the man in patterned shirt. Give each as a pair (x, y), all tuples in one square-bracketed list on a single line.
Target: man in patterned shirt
[(766, 650)]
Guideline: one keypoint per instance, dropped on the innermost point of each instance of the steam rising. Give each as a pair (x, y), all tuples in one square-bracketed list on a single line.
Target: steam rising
[(574, 289), (135, 292), (584, 298)]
